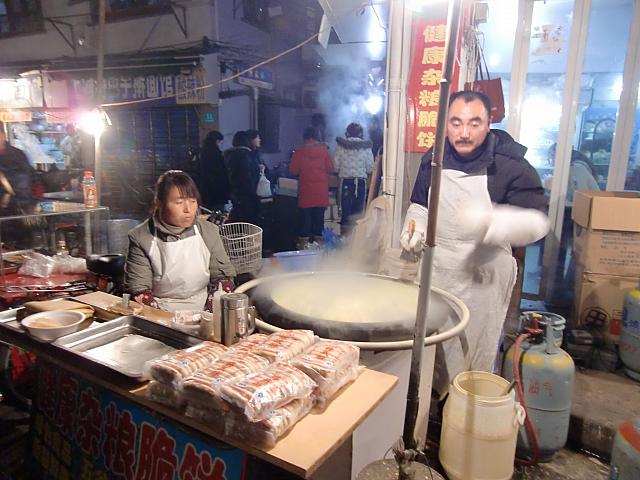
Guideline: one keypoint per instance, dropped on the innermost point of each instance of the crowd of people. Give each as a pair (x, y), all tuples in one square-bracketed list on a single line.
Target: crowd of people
[(237, 174)]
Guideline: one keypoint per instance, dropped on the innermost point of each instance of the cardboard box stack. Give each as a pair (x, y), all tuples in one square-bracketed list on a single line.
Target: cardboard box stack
[(606, 242)]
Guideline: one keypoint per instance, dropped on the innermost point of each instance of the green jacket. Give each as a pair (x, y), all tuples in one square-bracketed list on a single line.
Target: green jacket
[(138, 275)]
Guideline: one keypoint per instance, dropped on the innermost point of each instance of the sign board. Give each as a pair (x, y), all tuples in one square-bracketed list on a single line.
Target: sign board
[(424, 85), (25, 92), (423, 96), (167, 86), (209, 117), (82, 431), (256, 77), (15, 116)]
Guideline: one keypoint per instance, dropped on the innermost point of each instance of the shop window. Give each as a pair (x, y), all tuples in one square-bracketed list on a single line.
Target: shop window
[(256, 12), (141, 144), (18, 17)]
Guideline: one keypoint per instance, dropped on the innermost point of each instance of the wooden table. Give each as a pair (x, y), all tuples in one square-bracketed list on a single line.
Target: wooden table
[(302, 451)]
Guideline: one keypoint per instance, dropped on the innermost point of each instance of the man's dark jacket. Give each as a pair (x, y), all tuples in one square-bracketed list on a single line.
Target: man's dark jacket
[(510, 178)]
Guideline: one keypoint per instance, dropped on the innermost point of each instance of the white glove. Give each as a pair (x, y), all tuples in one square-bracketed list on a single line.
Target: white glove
[(412, 242), (515, 226), (474, 220)]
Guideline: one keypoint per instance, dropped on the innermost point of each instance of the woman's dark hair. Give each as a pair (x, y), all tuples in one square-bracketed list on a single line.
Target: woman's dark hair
[(212, 139), (311, 133), (354, 130), (175, 178), (252, 134), (241, 139)]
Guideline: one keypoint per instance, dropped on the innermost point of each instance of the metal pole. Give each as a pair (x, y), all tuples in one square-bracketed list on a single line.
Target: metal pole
[(102, 13), (393, 117), (413, 398), (256, 97)]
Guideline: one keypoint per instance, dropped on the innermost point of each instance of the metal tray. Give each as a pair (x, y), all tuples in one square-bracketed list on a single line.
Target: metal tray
[(125, 344)]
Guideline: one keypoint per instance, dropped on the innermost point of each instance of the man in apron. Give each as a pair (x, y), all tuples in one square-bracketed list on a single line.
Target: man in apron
[(491, 200), (173, 256)]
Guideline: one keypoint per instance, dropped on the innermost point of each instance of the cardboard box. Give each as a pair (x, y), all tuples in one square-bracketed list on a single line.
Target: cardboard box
[(606, 237), (599, 302)]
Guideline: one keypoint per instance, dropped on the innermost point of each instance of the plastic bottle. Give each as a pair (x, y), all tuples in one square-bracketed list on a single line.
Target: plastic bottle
[(62, 248), (89, 190)]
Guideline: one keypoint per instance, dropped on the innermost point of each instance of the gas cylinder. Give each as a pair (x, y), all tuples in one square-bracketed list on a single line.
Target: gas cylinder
[(629, 347), (547, 373), (625, 456)]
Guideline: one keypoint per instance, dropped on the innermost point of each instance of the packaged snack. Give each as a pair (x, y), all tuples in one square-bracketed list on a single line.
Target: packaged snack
[(331, 364), (249, 343), (165, 394), (174, 367), (267, 432), (203, 387), (284, 345), (259, 393), (221, 422)]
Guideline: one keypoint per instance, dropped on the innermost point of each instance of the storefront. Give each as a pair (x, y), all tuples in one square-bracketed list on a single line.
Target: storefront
[(155, 113), (570, 73)]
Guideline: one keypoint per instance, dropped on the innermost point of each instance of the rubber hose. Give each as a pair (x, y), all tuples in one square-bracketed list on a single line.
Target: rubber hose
[(531, 432)]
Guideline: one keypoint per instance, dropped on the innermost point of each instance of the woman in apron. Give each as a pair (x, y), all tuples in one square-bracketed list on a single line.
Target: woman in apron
[(174, 258)]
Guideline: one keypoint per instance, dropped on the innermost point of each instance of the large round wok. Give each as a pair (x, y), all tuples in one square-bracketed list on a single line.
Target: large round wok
[(349, 306)]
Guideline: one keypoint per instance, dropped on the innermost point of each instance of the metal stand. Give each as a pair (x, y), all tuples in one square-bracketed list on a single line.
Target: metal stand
[(388, 469)]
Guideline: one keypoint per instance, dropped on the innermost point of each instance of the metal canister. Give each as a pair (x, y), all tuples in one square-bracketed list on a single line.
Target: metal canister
[(625, 455), (547, 374), (238, 318), (629, 347)]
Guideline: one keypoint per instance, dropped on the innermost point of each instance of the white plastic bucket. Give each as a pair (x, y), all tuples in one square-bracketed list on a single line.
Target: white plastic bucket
[(479, 428)]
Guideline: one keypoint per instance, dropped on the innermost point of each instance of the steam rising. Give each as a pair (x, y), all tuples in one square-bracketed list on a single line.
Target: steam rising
[(342, 95)]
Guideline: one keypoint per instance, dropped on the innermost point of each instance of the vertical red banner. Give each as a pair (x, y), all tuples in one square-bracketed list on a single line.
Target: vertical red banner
[(423, 93)]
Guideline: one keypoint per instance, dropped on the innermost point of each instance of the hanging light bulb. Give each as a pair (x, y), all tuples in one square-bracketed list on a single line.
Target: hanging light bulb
[(93, 122)]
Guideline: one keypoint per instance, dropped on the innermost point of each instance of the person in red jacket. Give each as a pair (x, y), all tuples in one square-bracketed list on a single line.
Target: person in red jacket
[(312, 163)]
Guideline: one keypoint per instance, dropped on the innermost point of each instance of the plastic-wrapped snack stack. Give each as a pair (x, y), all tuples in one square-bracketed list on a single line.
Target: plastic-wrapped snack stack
[(259, 394), (282, 346), (164, 393), (201, 391), (268, 431), (171, 369), (331, 365)]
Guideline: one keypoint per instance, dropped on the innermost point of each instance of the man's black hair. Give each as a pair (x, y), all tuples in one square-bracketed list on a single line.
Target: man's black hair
[(469, 96)]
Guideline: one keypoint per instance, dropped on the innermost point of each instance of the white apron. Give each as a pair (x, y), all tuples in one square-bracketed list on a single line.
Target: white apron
[(180, 272), (482, 276)]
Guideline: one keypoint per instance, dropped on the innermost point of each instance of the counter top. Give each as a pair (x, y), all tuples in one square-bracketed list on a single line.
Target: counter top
[(301, 451)]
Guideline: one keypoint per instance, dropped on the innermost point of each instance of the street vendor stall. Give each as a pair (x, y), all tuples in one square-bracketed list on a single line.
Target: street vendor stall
[(90, 422)]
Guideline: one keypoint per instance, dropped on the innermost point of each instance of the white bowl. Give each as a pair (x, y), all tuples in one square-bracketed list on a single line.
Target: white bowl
[(48, 326)]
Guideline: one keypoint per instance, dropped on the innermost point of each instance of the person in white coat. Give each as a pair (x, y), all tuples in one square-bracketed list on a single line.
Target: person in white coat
[(175, 259), (491, 200)]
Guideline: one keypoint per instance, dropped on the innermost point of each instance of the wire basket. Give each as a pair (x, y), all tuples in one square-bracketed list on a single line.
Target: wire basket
[(243, 243)]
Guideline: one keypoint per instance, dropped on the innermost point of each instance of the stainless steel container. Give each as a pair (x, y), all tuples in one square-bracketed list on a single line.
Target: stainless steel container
[(238, 318)]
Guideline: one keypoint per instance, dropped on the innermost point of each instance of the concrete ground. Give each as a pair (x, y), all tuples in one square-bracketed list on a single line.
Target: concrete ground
[(566, 464), (601, 402)]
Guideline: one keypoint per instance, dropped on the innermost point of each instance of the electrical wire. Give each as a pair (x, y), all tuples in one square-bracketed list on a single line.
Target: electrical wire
[(531, 432), (375, 12), (232, 77), (227, 79)]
